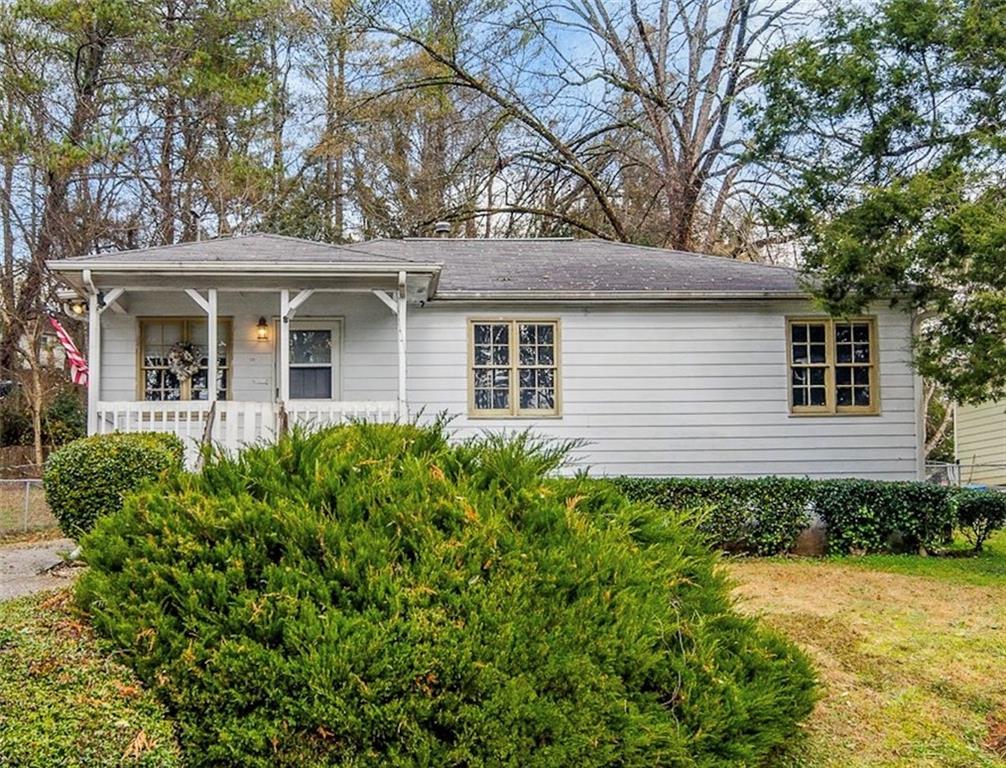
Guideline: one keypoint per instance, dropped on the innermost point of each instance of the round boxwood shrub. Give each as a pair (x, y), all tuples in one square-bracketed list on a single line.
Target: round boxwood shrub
[(374, 595), (89, 477), (980, 513)]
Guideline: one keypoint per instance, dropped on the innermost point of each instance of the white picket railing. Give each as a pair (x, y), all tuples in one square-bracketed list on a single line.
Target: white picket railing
[(236, 423)]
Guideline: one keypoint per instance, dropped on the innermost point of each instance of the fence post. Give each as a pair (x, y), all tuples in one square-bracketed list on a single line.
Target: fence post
[(27, 500)]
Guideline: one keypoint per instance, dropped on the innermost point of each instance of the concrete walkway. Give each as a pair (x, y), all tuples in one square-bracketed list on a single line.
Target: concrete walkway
[(22, 567)]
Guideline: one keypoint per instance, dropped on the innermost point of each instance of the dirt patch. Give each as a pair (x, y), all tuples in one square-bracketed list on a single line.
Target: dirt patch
[(34, 567)]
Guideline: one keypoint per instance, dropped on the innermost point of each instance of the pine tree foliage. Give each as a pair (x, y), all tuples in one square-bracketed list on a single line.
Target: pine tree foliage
[(376, 595)]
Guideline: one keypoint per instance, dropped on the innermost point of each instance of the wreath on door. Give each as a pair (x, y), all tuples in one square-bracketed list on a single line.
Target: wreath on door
[(183, 360)]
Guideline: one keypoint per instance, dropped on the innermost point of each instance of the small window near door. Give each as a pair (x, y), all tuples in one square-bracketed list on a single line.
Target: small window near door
[(312, 363)]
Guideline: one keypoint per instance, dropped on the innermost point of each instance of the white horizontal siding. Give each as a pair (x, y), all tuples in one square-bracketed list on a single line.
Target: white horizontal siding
[(980, 439), (681, 390), (648, 390)]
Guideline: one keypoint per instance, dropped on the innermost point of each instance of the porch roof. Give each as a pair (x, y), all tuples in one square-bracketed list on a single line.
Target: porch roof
[(246, 263)]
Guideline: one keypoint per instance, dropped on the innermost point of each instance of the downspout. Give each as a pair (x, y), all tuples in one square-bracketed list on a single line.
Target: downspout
[(920, 400)]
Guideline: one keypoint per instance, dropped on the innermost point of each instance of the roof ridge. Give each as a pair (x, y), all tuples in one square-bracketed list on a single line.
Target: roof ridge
[(693, 254)]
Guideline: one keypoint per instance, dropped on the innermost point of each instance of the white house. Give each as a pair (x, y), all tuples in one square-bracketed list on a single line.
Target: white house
[(980, 443), (662, 362)]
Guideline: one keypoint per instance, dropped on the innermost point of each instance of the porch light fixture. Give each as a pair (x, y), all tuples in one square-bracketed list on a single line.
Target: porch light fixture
[(77, 306), (262, 330)]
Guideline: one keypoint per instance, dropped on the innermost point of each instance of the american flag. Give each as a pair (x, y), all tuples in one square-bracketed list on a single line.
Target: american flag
[(78, 365)]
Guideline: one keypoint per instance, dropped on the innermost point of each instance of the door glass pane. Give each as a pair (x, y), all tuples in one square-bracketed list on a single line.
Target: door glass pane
[(310, 347)]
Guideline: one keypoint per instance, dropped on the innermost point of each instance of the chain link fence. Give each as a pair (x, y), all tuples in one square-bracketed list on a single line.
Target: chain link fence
[(23, 508)]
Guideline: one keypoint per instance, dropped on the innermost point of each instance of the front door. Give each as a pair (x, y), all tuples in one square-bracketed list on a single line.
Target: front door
[(315, 352)]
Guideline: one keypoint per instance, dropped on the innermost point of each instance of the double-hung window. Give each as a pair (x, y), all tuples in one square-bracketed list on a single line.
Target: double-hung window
[(314, 360), (513, 368), (159, 337), (833, 366)]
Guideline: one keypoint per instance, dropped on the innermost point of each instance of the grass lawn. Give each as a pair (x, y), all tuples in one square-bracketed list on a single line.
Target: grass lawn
[(62, 703), (911, 651)]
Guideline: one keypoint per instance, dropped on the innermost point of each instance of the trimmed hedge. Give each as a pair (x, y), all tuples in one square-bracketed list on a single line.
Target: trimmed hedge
[(763, 516), (876, 516), (89, 477), (375, 595)]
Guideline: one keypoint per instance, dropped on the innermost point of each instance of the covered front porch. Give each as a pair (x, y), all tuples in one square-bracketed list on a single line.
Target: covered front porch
[(296, 344)]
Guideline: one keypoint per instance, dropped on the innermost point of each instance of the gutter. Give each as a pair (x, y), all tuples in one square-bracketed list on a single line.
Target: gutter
[(211, 268), (615, 296)]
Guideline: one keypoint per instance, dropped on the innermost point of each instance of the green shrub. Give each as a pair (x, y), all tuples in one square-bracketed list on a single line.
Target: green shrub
[(979, 514), (88, 478), (878, 516), (762, 516), (373, 595)]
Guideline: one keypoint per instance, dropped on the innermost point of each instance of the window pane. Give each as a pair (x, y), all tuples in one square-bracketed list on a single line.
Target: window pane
[(800, 353), (308, 347), (862, 396), (799, 333), (501, 334), (800, 396), (817, 334), (862, 376), (817, 376), (482, 334), (817, 396), (818, 353), (501, 399), (483, 354), (311, 383), (861, 332), (843, 376), (483, 378), (843, 396)]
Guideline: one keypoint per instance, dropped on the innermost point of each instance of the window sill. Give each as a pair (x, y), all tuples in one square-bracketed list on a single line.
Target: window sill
[(512, 416)]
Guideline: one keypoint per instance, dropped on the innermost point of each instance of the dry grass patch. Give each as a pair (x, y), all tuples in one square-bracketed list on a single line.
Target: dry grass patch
[(914, 667)]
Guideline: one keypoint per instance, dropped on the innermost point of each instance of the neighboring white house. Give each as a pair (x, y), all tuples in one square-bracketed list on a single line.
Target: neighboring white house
[(980, 443), (662, 362)]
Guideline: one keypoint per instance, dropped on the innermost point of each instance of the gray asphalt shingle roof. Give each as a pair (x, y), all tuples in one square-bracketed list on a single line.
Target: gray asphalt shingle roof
[(264, 248), (547, 266), (474, 268)]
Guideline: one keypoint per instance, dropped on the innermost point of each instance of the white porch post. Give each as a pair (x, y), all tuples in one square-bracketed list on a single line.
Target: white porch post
[(212, 354), (93, 361), (284, 346), (403, 407)]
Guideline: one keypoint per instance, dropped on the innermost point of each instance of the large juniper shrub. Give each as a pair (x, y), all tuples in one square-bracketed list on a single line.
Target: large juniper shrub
[(372, 595)]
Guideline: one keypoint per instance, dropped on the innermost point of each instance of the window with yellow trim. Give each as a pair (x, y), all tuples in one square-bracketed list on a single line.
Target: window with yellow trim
[(157, 338), (514, 367), (833, 366)]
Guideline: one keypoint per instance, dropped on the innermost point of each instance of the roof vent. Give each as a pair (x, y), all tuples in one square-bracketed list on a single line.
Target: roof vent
[(442, 228)]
